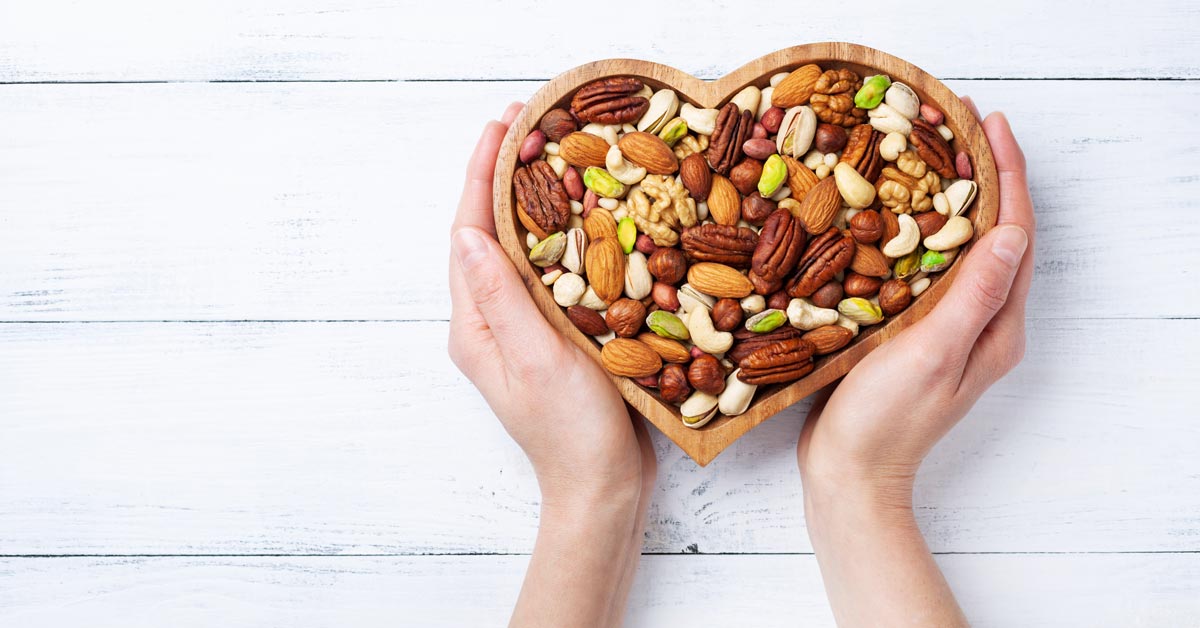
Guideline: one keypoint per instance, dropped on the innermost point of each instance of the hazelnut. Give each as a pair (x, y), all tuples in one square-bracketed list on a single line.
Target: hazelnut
[(830, 138), (778, 300), (929, 223), (665, 296), (625, 317), (745, 176), (706, 375), (867, 226), (587, 320), (857, 285), (828, 295), (668, 265), (727, 314), (894, 296), (755, 208), (673, 384), (557, 124)]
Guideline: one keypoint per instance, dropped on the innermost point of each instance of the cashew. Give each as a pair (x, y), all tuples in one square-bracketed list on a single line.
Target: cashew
[(802, 314), (638, 280), (886, 119), (569, 289), (842, 321), (906, 241), (704, 335), (753, 304), (892, 145), (621, 168), (748, 99), (699, 409), (702, 121), (857, 191), (954, 233), (735, 399)]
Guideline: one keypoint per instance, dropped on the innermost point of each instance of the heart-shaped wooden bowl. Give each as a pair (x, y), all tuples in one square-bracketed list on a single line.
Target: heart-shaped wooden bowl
[(705, 443)]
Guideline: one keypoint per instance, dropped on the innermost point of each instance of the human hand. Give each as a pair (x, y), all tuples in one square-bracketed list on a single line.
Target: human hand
[(889, 411), (594, 464)]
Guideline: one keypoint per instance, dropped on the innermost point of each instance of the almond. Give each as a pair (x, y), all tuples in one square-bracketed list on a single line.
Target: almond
[(600, 224), (583, 149), (630, 358), (891, 225), (820, 205), (800, 179), (668, 349), (929, 223), (647, 151), (797, 87), (696, 176), (828, 338), (724, 202), (605, 263), (719, 280), (869, 261), (587, 320)]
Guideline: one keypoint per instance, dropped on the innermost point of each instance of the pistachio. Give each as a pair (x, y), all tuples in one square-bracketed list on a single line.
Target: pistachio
[(699, 409), (602, 183), (573, 257), (856, 191), (548, 251), (797, 131), (753, 304), (903, 99), (774, 173), (907, 240), (638, 280), (766, 321), (568, 289), (860, 310), (956, 232), (626, 234), (691, 298), (960, 195), (663, 105), (702, 121), (872, 92), (908, 265), (802, 314), (934, 261), (667, 325), (673, 131), (736, 397)]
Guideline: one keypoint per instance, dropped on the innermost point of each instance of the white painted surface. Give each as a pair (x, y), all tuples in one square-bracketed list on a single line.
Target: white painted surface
[(352, 451)]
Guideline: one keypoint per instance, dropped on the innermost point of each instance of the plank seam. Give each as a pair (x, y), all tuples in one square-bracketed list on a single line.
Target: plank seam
[(518, 554), (1174, 79)]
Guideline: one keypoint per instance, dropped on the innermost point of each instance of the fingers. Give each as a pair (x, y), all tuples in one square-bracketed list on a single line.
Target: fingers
[(496, 290), (980, 290), (1016, 206), (475, 206), (971, 105), (511, 112), (999, 348)]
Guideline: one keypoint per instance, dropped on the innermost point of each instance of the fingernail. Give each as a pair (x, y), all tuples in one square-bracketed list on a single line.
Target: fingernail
[(1009, 244), (469, 248)]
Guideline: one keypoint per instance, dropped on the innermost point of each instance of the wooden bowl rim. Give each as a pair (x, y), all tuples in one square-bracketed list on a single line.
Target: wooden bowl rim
[(704, 444)]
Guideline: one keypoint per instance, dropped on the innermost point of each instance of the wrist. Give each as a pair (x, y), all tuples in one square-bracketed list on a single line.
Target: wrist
[(878, 493)]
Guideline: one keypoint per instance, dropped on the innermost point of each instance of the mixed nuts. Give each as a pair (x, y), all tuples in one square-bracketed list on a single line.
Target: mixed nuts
[(713, 251)]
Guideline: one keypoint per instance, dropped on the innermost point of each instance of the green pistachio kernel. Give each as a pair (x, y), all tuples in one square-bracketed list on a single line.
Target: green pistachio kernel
[(860, 310), (872, 92), (602, 183), (766, 321), (626, 234), (933, 261), (908, 265), (774, 173), (667, 325), (674, 131)]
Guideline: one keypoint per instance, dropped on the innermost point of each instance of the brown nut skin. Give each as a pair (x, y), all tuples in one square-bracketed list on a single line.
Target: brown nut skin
[(668, 265), (625, 317), (573, 183), (706, 375), (758, 148), (557, 124), (891, 226), (826, 255), (828, 296), (724, 244), (830, 138), (611, 100), (856, 285), (746, 342), (929, 223), (778, 301), (727, 314), (731, 131), (696, 176), (587, 320), (665, 296), (828, 338), (784, 361), (867, 226), (772, 119), (755, 208), (745, 176), (894, 296), (673, 384)]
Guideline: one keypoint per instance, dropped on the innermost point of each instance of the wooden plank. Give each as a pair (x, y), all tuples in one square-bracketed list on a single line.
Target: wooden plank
[(140, 40), (362, 438), (1125, 590), (331, 201)]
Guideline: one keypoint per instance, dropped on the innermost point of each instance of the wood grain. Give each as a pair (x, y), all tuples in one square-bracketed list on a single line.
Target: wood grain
[(1032, 591), (311, 201), (271, 40), (352, 438)]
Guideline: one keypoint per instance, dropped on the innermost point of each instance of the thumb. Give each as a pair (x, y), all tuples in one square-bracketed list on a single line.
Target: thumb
[(982, 286), (497, 290)]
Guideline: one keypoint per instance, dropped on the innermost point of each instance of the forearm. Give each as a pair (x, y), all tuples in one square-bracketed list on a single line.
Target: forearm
[(875, 564), (582, 561)]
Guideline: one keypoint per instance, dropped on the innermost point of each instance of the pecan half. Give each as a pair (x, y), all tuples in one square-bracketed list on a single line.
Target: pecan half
[(542, 202), (780, 244), (725, 244), (862, 151), (731, 131), (746, 342), (932, 148), (833, 98), (780, 362), (827, 255), (611, 100)]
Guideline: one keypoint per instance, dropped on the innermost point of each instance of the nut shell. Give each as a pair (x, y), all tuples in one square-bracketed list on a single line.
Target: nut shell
[(866, 226), (705, 374), (727, 314), (629, 358), (673, 384)]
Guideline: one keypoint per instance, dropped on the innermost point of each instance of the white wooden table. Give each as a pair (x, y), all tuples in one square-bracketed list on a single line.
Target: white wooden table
[(224, 394)]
